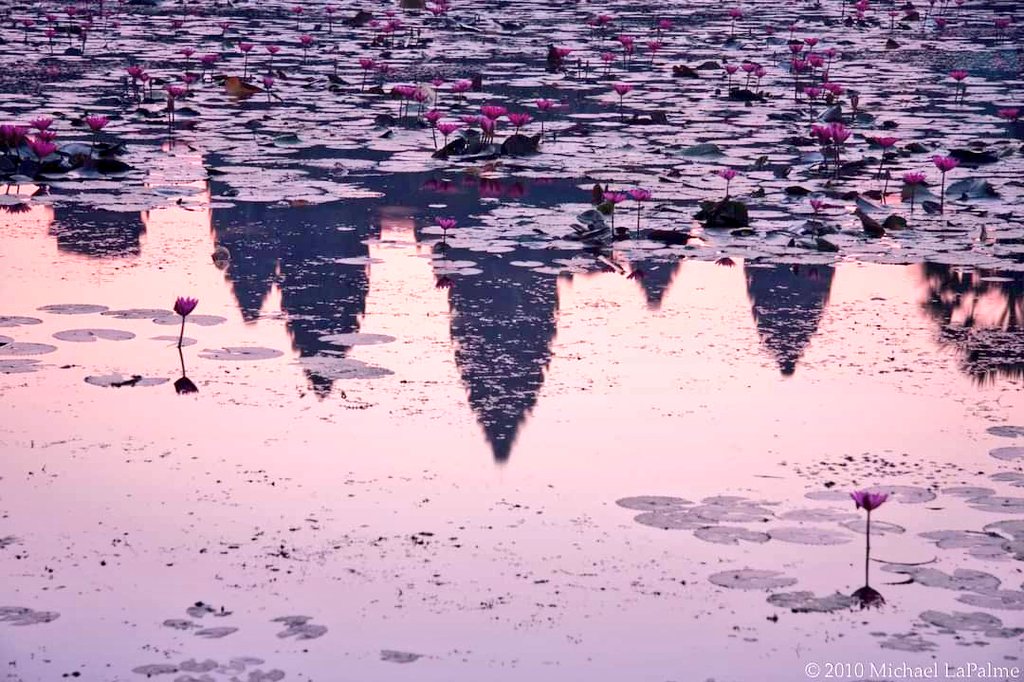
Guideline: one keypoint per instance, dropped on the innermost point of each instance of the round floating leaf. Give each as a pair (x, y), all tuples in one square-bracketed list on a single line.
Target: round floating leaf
[(20, 615), (216, 633), (201, 320), (671, 520), (18, 366), (816, 515), (990, 503), (968, 491), (908, 642), (961, 580), (752, 579), (806, 602), (18, 321), (860, 525), (91, 335), (185, 342), (729, 535), (652, 502), (357, 339), (1005, 431), (333, 367), (389, 656), (958, 620), (1010, 600), (809, 536), (121, 381), (240, 353), (139, 313), (18, 348), (73, 308), (1008, 453)]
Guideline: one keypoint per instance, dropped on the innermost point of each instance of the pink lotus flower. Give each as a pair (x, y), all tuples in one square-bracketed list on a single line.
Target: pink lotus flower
[(175, 91), (134, 71), (366, 63), (493, 111), (639, 194), (1011, 114), (208, 60), (447, 129), (817, 205), (306, 40), (184, 305), (446, 223), (41, 123), (519, 120), (914, 177), (885, 142), (246, 47), (96, 122), (945, 163), (958, 75), (622, 89), (188, 51), (432, 116), (461, 86), (273, 49), (727, 174), (731, 68), (838, 132), (41, 148), (869, 501), (545, 104)]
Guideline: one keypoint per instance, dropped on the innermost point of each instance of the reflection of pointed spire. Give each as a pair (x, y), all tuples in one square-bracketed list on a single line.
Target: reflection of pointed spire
[(248, 231), (787, 303), (657, 279), (503, 324), (97, 233), (301, 248), (980, 317)]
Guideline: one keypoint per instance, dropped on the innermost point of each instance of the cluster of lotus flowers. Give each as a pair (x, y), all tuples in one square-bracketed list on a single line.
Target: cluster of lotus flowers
[(38, 136)]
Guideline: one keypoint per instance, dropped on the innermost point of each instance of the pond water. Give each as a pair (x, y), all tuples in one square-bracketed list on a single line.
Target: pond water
[(387, 449)]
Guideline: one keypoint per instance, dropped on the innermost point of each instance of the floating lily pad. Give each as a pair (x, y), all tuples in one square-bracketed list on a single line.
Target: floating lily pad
[(92, 335), (154, 669), (390, 656), (240, 353), (999, 504), (356, 339), (910, 641), (18, 321), (140, 314), (299, 627), (73, 308), (802, 535), (179, 624), (22, 616), (817, 515), (957, 620), (671, 520), (185, 341), (1005, 431), (807, 602), (652, 502), (334, 367), (201, 320), (1008, 453), (121, 381), (968, 491), (961, 580), (18, 348), (216, 633), (1010, 600), (752, 579), (860, 525), (18, 365), (729, 535)]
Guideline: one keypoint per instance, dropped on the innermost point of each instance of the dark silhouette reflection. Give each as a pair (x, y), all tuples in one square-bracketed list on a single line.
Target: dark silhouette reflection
[(183, 385), (655, 278), (300, 250), (980, 315), (787, 303), (97, 233), (503, 323)]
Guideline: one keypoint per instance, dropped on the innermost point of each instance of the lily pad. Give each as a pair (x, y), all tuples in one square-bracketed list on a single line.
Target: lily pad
[(652, 502), (201, 320), (333, 367), (18, 366), (752, 579), (18, 348), (92, 335), (139, 314), (391, 656), (22, 616), (240, 353), (729, 535), (803, 535), (807, 602), (357, 339), (121, 381), (18, 321), (1008, 453), (73, 308)]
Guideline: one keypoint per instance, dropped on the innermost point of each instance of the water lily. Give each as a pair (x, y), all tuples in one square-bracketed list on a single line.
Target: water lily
[(184, 306)]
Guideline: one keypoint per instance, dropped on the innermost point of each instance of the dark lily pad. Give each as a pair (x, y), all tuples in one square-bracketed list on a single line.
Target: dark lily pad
[(19, 348), (121, 381), (22, 616), (73, 308), (752, 579), (92, 335), (729, 535), (240, 353), (201, 320), (807, 602), (334, 367), (17, 321), (652, 502), (391, 656), (18, 366), (802, 535), (1004, 431), (140, 314), (1007, 453), (357, 339)]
